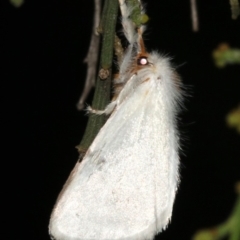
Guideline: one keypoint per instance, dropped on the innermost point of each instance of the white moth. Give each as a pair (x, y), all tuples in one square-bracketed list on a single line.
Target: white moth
[(125, 186)]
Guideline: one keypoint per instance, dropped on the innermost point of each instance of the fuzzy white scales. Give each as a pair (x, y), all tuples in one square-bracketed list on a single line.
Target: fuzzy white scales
[(125, 186)]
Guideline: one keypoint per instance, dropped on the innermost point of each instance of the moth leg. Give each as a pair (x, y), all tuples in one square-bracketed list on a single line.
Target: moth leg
[(108, 110)]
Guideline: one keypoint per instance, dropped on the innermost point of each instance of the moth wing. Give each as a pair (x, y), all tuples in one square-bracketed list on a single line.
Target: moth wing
[(122, 190)]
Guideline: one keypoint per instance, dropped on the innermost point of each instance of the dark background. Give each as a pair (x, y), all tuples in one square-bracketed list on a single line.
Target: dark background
[(44, 44)]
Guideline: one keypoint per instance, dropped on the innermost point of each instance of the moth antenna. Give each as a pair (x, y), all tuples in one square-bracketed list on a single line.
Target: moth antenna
[(140, 43)]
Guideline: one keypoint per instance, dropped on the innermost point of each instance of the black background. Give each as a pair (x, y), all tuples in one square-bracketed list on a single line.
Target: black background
[(44, 44)]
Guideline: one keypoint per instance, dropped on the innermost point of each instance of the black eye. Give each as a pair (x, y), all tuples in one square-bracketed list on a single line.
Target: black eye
[(142, 61)]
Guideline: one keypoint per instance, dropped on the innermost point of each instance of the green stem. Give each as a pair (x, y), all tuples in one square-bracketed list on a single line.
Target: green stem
[(231, 226), (235, 221), (103, 87)]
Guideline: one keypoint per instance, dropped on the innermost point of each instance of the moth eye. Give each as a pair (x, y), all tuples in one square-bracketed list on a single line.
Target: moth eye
[(142, 61)]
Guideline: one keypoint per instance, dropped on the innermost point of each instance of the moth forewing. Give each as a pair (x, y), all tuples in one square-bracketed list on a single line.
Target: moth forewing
[(125, 186)]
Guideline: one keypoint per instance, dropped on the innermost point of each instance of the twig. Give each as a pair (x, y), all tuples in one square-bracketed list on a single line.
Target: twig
[(102, 91), (194, 14), (235, 8), (92, 56)]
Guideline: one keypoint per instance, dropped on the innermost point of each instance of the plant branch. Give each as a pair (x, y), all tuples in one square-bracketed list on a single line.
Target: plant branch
[(235, 8), (102, 91), (194, 14), (92, 56)]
